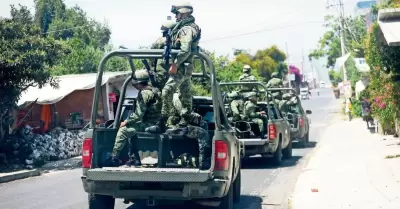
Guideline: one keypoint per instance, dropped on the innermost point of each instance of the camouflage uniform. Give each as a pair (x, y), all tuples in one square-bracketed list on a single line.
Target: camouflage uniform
[(246, 76), (147, 113), (162, 72), (250, 113), (196, 130), (185, 36), (236, 106), (275, 82)]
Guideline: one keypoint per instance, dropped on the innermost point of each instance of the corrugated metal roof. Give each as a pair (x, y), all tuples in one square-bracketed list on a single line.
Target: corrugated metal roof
[(67, 84), (389, 22)]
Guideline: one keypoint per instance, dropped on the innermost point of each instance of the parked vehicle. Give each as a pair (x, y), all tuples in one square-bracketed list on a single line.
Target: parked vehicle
[(158, 183), (298, 119), (304, 93), (322, 84), (277, 143)]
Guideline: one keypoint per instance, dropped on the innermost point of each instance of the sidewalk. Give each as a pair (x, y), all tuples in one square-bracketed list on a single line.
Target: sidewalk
[(66, 164), (350, 169)]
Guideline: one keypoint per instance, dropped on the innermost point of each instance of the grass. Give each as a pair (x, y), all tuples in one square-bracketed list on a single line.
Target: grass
[(392, 156)]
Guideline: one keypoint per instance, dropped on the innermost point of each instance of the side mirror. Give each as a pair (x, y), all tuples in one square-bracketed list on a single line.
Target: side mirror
[(308, 112)]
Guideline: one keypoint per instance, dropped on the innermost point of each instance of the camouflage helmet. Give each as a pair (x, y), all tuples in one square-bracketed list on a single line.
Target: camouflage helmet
[(277, 95), (246, 68), (274, 75), (182, 8), (286, 96), (251, 94), (233, 94), (169, 24), (141, 76)]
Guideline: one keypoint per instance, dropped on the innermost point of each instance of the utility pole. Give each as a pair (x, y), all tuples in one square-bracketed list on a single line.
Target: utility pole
[(341, 17), (302, 63), (288, 63)]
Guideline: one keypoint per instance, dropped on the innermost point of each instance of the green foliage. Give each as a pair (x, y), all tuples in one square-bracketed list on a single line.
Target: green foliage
[(25, 59), (329, 44), (356, 107), (383, 89)]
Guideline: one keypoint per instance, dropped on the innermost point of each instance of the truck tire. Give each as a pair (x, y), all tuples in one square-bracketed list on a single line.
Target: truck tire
[(277, 158), (287, 152), (97, 201), (237, 186), (227, 201)]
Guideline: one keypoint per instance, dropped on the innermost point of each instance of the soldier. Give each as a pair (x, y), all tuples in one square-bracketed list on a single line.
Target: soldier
[(246, 76), (283, 105), (275, 82), (185, 36), (236, 105), (162, 73), (250, 113), (197, 129), (147, 113)]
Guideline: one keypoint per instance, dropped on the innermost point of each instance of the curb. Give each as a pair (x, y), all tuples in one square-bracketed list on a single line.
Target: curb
[(19, 175)]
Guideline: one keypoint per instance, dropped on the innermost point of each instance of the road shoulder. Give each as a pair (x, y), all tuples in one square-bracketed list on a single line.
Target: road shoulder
[(349, 169)]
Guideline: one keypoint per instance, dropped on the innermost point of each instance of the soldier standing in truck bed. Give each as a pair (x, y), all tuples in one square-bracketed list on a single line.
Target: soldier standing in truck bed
[(185, 36)]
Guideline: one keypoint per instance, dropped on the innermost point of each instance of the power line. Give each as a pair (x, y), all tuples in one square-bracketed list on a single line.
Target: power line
[(261, 31)]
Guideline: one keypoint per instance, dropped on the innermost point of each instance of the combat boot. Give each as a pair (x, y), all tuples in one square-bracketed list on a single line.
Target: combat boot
[(185, 120), (113, 161), (160, 126), (134, 161)]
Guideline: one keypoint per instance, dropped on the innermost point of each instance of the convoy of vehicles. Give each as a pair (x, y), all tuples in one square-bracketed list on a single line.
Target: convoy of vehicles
[(157, 182), (277, 143), (298, 119)]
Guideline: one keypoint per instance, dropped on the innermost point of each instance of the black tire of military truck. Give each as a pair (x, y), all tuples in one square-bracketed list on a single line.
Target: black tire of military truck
[(237, 186), (287, 152), (97, 201), (227, 201), (277, 158)]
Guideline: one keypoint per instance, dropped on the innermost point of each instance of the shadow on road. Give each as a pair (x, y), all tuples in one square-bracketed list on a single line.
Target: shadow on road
[(249, 202), (310, 144), (246, 202), (262, 163)]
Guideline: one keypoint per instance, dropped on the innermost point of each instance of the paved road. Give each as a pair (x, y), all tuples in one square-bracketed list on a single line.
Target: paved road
[(263, 186)]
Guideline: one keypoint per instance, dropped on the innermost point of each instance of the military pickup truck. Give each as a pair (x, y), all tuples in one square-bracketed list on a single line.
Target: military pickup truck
[(157, 183), (297, 117), (277, 140)]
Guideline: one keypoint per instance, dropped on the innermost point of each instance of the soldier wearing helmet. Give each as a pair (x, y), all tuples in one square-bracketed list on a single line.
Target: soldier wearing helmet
[(147, 113), (275, 81), (250, 113), (246, 76), (185, 37), (236, 105)]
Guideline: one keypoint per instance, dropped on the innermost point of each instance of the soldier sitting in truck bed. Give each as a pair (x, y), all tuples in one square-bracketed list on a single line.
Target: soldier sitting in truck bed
[(236, 105), (250, 114)]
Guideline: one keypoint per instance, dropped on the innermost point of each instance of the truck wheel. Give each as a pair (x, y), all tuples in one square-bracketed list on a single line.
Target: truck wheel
[(227, 201), (277, 159), (97, 201), (287, 152), (237, 186)]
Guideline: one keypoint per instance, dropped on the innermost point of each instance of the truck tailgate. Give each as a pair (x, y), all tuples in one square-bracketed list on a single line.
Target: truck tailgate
[(254, 142), (132, 174)]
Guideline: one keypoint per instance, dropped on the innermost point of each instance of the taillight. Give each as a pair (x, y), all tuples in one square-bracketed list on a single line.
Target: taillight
[(221, 156), (87, 152), (301, 122), (271, 131)]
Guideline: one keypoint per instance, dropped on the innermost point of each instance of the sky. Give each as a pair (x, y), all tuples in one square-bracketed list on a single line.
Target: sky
[(225, 24)]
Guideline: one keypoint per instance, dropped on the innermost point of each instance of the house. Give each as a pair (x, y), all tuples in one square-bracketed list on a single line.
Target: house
[(70, 104)]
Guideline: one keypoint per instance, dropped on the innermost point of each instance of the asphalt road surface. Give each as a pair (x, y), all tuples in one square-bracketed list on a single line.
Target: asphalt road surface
[(263, 186)]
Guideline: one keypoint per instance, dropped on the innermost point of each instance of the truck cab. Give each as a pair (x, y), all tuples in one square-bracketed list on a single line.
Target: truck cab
[(157, 182)]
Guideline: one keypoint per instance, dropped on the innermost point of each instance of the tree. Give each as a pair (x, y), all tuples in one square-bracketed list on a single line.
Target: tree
[(329, 45), (47, 11), (24, 60), (265, 61)]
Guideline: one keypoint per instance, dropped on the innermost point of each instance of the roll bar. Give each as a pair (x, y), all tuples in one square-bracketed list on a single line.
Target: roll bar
[(157, 54)]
